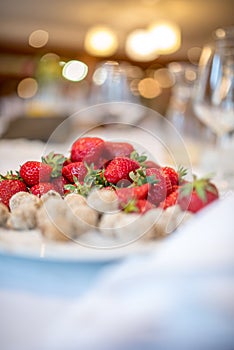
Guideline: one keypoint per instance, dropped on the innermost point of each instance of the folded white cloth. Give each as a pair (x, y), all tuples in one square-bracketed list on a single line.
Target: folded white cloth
[(180, 296)]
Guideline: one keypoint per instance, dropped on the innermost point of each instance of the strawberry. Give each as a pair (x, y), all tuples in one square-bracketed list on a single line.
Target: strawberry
[(172, 174), (151, 164), (196, 195), (119, 168), (9, 186), (87, 149), (33, 172), (170, 200), (42, 188), (67, 161), (128, 193), (59, 183), (137, 205), (56, 161), (144, 205), (117, 149), (77, 169), (158, 191), (175, 188)]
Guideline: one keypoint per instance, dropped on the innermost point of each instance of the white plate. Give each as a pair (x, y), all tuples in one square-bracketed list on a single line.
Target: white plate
[(31, 245)]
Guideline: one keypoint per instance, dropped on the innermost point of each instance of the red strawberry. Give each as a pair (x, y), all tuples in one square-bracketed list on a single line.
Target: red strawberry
[(175, 188), (87, 149), (42, 188), (151, 164), (117, 149), (158, 191), (119, 169), (176, 177), (143, 205), (172, 174), (137, 205), (59, 183), (170, 200), (56, 161), (196, 195), (8, 187), (77, 169), (33, 172), (128, 193), (67, 161)]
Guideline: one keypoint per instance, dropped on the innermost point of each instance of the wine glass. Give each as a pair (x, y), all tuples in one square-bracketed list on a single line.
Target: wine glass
[(111, 90), (213, 100)]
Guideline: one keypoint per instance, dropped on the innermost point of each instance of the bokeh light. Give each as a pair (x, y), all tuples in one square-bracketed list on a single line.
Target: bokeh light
[(166, 37), (149, 88), (38, 38), (220, 33), (99, 76), (139, 46), (50, 56), (164, 78), (190, 75), (75, 70), (134, 87), (27, 88), (101, 41), (194, 54)]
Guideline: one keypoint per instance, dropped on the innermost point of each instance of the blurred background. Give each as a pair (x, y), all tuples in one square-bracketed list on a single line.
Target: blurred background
[(60, 56)]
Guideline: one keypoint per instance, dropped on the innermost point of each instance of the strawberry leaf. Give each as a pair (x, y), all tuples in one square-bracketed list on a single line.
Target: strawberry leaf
[(95, 177), (186, 189), (199, 187), (79, 188), (151, 179), (140, 158), (182, 172), (130, 207), (56, 161)]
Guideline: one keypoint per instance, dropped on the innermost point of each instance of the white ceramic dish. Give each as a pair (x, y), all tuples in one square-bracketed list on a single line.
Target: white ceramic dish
[(31, 245)]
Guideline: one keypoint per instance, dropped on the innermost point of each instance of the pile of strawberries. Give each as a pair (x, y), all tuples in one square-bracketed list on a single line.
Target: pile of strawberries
[(140, 184)]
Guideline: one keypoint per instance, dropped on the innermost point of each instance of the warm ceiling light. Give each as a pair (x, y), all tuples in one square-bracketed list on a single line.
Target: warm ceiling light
[(27, 88), (166, 37), (75, 70), (139, 46), (101, 41), (38, 38)]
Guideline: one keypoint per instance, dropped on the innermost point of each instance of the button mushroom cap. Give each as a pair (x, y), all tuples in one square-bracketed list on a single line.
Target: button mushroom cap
[(52, 221), (84, 219), (23, 217), (103, 200), (58, 221), (51, 193), (74, 200), (126, 227), (21, 198), (4, 214)]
